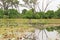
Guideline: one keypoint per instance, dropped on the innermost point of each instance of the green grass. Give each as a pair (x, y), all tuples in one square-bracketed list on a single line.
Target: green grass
[(31, 20)]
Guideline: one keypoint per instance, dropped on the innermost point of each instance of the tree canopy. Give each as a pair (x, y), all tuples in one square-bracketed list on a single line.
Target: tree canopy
[(5, 12)]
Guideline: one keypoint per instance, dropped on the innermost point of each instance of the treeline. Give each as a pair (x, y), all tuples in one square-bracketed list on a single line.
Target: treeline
[(30, 14), (50, 14)]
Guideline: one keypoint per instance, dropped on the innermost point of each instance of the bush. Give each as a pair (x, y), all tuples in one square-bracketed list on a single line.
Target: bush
[(28, 14), (1, 13), (49, 14), (12, 13), (57, 14), (41, 15)]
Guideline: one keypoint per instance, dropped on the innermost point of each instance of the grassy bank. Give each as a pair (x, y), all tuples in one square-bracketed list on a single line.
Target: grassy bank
[(23, 25)]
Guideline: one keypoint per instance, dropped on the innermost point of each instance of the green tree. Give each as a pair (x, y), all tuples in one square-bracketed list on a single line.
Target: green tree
[(49, 14), (24, 11), (57, 14), (28, 14), (5, 4), (12, 13), (37, 16), (30, 4), (41, 15), (1, 13)]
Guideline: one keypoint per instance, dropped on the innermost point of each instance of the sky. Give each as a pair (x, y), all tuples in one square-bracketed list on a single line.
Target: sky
[(52, 6)]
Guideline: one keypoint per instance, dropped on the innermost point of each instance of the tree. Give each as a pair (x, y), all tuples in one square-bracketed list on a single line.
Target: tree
[(49, 14), (34, 3), (1, 13), (28, 14), (57, 13), (24, 11), (12, 13), (30, 4), (5, 4), (39, 15), (43, 6)]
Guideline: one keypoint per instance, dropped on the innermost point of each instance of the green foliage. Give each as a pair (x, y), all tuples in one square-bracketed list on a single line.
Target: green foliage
[(42, 15), (27, 14), (12, 13), (50, 28), (37, 16), (57, 14), (1, 13), (24, 11), (49, 14), (53, 28), (6, 4)]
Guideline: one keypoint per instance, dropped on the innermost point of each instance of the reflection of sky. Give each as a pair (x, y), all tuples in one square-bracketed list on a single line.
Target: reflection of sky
[(52, 6), (52, 35)]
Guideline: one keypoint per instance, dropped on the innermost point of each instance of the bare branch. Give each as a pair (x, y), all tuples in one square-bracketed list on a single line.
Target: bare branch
[(43, 5), (47, 5), (30, 3), (39, 8)]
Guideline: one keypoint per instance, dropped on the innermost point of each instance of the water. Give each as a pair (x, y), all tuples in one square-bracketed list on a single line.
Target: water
[(37, 35), (45, 35)]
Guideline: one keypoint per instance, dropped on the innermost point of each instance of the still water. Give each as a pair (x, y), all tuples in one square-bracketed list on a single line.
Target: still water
[(36, 35), (44, 35)]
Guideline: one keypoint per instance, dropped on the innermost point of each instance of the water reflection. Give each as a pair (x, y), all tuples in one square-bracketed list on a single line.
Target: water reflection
[(36, 35), (52, 35), (45, 35)]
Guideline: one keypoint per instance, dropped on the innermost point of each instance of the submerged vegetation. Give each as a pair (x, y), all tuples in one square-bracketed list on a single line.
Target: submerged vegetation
[(53, 28)]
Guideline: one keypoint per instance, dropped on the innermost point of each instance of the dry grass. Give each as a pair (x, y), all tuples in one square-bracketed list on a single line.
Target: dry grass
[(21, 26)]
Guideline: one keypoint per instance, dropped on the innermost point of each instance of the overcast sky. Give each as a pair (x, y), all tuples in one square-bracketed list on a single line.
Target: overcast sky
[(52, 6)]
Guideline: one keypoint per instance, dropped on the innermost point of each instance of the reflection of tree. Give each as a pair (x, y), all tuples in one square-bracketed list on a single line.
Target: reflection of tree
[(40, 26)]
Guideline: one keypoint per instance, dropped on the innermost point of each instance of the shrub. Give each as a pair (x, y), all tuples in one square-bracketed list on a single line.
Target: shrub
[(1, 13), (12, 13)]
